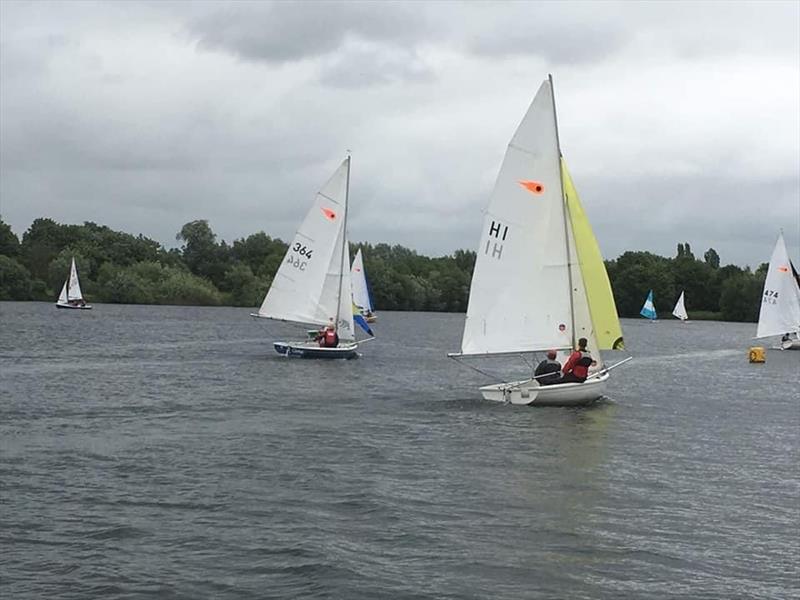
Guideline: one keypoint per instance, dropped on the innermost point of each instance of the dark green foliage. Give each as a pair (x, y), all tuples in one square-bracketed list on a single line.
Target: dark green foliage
[(15, 280), (119, 267)]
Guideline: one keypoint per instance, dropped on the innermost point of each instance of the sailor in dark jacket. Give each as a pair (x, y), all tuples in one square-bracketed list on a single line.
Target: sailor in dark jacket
[(549, 371)]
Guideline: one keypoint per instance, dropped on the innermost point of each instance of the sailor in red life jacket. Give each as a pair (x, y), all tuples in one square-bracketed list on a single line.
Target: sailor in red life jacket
[(328, 338), (576, 369)]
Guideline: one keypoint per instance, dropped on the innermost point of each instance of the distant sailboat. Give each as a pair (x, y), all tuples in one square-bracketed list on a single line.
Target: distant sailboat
[(680, 309), (780, 301), (71, 295), (312, 284), (649, 309), (361, 296), (539, 281)]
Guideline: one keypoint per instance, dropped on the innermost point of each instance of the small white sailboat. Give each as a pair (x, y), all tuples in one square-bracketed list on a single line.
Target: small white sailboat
[(649, 309), (312, 285), (539, 281), (679, 311), (780, 301), (361, 295), (71, 296)]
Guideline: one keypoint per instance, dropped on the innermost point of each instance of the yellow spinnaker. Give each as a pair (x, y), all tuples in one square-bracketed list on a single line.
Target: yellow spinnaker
[(595, 279)]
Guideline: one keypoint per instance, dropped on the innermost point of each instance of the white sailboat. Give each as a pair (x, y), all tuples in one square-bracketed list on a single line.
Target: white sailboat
[(539, 281), (361, 296), (780, 301), (312, 285), (71, 295), (679, 311)]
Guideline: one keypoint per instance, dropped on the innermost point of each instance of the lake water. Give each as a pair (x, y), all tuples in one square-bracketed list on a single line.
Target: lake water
[(168, 452)]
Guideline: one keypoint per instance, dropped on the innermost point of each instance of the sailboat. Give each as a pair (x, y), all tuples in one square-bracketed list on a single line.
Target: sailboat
[(361, 296), (71, 295), (680, 309), (539, 281), (649, 309), (312, 284), (780, 301)]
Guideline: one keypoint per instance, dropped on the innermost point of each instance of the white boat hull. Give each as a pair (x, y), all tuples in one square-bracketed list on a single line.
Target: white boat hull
[(74, 306), (530, 393)]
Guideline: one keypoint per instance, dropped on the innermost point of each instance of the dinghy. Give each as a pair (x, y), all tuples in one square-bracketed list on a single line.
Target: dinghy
[(361, 295), (780, 301), (649, 309), (71, 296), (312, 285), (539, 281), (679, 311)]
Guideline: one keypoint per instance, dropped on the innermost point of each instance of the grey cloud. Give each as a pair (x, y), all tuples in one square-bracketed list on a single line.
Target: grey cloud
[(366, 67), (290, 31)]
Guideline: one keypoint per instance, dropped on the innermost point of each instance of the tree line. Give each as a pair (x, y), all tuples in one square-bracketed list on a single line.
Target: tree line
[(122, 268)]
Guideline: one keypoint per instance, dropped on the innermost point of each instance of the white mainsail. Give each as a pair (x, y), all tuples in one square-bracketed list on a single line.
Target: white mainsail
[(71, 290), (359, 280), (520, 297), (680, 309), (780, 302), (312, 284)]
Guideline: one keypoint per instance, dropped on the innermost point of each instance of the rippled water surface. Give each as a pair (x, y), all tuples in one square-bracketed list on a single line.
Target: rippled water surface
[(168, 452)]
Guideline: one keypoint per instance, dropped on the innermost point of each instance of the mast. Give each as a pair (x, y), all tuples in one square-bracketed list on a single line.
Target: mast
[(564, 209), (344, 243)]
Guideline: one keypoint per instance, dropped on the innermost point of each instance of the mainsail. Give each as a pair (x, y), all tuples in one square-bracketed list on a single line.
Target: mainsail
[(359, 279), (520, 294), (312, 284), (780, 301), (680, 309), (71, 290), (649, 309)]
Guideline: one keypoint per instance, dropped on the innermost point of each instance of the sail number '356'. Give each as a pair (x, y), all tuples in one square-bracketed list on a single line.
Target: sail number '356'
[(295, 257), (494, 244)]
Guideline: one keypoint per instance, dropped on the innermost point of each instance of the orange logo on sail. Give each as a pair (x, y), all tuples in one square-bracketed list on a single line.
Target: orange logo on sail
[(329, 214), (783, 269), (534, 187)]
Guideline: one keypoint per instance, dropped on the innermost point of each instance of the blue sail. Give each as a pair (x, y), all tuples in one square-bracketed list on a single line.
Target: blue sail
[(649, 309)]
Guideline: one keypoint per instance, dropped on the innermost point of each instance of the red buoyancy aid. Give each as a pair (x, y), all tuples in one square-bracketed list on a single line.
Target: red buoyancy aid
[(330, 339), (578, 364)]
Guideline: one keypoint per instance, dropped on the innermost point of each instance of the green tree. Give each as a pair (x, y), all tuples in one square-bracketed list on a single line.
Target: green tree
[(711, 258), (9, 243), (15, 280)]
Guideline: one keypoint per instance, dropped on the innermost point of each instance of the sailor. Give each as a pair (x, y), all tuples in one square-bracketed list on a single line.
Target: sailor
[(329, 337), (576, 369), (548, 371)]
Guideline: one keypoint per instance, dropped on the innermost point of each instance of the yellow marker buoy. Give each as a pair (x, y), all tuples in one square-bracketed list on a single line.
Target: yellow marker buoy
[(757, 355)]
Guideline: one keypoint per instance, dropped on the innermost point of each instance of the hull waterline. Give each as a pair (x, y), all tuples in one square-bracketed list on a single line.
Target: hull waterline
[(313, 350), (74, 307), (530, 393)]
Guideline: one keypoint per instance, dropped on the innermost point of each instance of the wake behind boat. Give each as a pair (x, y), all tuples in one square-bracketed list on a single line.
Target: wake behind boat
[(539, 281), (71, 296), (312, 285)]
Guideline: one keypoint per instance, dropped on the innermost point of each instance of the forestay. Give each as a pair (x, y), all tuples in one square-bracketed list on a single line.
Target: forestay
[(312, 284), (520, 297), (780, 302), (359, 279)]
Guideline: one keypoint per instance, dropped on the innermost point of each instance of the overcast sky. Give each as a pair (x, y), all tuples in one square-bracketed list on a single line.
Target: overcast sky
[(679, 121)]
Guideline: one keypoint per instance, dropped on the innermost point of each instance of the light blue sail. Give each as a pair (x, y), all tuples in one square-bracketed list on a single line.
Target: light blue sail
[(649, 309)]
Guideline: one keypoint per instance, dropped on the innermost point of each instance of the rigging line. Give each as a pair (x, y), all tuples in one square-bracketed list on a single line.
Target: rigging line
[(482, 372)]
